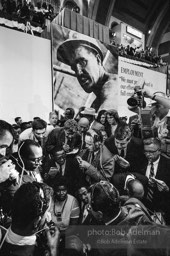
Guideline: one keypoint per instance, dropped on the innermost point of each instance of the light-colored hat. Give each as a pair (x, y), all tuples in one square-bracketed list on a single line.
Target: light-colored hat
[(89, 111), (67, 48)]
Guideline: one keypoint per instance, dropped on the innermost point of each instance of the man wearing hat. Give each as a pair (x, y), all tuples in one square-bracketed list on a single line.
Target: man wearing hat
[(85, 58)]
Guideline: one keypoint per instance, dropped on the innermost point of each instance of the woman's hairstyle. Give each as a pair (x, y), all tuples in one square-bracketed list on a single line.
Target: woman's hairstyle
[(53, 113), (114, 113), (100, 113)]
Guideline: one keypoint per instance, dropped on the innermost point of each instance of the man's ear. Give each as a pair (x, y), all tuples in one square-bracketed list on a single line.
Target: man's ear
[(99, 59)]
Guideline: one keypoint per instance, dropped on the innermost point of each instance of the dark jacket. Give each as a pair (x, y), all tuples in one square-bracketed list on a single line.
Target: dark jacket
[(56, 138)]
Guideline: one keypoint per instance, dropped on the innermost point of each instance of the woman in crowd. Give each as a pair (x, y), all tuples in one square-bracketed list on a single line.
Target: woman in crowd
[(112, 120), (53, 118), (65, 208), (101, 117)]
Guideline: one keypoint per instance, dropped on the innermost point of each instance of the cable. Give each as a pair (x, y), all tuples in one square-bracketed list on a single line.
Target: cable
[(23, 168)]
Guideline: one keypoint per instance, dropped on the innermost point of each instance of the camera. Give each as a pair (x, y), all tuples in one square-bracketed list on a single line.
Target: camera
[(137, 99), (146, 119)]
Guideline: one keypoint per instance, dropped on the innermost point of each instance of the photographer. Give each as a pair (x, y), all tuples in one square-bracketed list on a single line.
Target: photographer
[(159, 114)]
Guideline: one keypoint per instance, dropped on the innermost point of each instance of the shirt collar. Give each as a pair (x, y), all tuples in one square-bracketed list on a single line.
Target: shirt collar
[(16, 239), (157, 161)]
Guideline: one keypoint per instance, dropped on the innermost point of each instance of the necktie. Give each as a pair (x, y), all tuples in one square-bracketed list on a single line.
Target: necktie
[(151, 171), (82, 141), (150, 188), (122, 153), (61, 170)]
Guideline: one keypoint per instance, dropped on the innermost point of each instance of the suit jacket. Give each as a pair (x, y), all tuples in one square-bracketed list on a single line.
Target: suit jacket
[(161, 200), (72, 173), (57, 138), (102, 166), (134, 155)]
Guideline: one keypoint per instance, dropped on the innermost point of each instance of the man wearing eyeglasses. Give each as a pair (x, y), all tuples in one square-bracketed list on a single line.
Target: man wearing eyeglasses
[(28, 163), (157, 172), (85, 58)]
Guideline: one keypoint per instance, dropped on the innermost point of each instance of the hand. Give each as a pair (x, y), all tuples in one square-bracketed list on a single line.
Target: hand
[(147, 92), (84, 164), (79, 159), (52, 172), (145, 89), (152, 182), (66, 148), (162, 186), (6, 170), (164, 133), (53, 235), (14, 175)]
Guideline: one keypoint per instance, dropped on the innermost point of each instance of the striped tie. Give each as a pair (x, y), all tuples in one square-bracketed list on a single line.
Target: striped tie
[(150, 188)]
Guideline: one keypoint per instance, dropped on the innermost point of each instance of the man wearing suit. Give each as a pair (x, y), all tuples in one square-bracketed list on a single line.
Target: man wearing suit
[(124, 148), (157, 168), (122, 145), (97, 162), (27, 162), (66, 138), (59, 164)]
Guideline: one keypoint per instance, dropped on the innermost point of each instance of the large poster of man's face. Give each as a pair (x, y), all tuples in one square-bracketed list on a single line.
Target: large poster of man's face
[(84, 71)]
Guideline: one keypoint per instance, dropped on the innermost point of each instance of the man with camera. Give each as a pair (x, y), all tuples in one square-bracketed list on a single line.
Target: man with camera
[(159, 116)]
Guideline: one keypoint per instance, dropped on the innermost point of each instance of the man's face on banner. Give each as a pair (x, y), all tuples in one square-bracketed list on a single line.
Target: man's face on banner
[(87, 68)]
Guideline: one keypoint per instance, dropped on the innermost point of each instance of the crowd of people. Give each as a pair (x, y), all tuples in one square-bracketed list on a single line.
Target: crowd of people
[(140, 54), (60, 178), (24, 12)]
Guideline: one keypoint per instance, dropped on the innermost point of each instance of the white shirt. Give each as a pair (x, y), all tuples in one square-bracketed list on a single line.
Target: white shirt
[(155, 166), (13, 238)]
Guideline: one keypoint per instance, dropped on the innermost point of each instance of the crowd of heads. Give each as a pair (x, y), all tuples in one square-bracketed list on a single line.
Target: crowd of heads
[(75, 176), (28, 11)]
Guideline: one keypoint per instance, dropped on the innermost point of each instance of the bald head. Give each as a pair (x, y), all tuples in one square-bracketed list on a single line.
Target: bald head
[(135, 189), (83, 125)]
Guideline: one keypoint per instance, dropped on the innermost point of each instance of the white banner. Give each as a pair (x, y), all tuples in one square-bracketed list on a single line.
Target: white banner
[(128, 76)]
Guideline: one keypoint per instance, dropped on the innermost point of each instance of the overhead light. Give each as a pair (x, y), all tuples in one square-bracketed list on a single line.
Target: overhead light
[(149, 31)]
